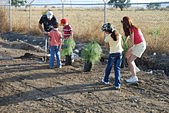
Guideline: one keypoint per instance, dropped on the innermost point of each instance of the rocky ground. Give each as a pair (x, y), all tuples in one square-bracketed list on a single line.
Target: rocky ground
[(27, 84)]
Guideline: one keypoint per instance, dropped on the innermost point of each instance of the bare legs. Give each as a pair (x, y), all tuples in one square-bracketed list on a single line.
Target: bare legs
[(132, 67), (131, 64)]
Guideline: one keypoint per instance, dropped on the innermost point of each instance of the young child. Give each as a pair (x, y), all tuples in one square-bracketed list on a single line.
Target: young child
[(113, 42), (136, 48), (68, 41), (55, 41)]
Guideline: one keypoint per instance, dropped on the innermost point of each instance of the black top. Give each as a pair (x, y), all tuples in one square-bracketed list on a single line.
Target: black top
[(48, 24)]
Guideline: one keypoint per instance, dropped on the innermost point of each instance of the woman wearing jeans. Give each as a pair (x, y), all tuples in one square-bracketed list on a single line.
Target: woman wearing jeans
[(113, 42)]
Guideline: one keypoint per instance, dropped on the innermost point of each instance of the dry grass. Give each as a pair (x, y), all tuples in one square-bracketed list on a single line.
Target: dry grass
[(3, 21), (86, 23)]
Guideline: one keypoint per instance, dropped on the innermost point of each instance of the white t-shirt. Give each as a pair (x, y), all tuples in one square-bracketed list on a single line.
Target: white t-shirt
[(115, 46)]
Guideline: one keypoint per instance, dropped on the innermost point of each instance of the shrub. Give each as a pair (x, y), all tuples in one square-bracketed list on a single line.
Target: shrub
[(91, 52), (70, 45)]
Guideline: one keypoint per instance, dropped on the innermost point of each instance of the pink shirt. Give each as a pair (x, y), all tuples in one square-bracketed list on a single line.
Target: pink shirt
[(138, 35), (55, 37)]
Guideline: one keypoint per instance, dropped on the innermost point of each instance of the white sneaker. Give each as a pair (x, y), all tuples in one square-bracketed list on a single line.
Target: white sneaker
[(137, 69), (132, 79), (106, 83)]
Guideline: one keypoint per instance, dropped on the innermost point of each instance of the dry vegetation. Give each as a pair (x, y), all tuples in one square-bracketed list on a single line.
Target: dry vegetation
[(87, 22), (27, 85)]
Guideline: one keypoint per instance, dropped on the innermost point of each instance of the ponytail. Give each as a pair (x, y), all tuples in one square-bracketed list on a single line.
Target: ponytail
[(114, 35)]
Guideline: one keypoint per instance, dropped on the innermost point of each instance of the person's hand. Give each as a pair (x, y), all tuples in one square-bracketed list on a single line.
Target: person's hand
[(60, 49), (44, 32)]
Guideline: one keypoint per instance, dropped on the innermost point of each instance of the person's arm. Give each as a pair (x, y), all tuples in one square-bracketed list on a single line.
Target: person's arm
[(41, 28), (107, 45), (61, 41), (129, 51), (131, 39), (71, 33), (41, 25)]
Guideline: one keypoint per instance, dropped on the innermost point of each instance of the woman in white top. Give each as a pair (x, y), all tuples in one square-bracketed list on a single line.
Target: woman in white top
[(113, 42)]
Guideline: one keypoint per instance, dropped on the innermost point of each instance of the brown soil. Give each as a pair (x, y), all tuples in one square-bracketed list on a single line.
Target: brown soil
[(27, 85)]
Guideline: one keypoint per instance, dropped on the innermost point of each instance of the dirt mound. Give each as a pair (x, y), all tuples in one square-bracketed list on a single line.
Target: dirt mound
[(34, 40), (154, 63)]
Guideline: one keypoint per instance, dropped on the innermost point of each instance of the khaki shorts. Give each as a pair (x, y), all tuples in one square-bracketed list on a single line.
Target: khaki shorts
[(139, 49)]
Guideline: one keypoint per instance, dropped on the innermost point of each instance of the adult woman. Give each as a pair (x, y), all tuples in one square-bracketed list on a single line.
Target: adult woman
[(136, 48)]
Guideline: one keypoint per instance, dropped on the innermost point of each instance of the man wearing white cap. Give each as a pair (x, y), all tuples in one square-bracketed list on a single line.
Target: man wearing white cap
[(46, 23)]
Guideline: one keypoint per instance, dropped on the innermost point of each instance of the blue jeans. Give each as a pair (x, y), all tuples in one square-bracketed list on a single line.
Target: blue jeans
[(116, 59), (54, 50)]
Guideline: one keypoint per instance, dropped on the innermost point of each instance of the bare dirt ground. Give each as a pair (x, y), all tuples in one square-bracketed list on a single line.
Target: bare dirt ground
[(29, 86)]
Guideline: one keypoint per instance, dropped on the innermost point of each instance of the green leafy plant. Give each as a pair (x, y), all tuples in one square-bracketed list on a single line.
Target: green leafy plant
[(91, 52), (155, 33), (69, 46), (125, 44)]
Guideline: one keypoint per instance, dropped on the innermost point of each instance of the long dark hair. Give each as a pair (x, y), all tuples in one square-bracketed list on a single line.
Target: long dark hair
[(114, 35), (127, 24)]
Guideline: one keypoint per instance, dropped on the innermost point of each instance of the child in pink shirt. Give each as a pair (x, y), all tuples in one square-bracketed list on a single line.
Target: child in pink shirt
[(55, 42)]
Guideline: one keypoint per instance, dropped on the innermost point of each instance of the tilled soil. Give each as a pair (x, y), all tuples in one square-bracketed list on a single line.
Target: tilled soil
[(30, 86)]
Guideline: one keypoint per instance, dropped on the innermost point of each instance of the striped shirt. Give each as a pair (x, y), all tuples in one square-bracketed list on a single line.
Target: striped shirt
[(67, 31)]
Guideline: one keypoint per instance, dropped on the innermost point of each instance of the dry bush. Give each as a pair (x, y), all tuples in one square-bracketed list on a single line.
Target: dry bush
[(86, 23)]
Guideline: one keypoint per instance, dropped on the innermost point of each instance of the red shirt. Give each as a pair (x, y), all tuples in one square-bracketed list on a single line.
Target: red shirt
[(67, 31), (138, 35), (55, 37)]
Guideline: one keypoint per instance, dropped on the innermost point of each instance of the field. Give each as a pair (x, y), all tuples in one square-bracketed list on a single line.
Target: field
[(27, 85), (86, 23)]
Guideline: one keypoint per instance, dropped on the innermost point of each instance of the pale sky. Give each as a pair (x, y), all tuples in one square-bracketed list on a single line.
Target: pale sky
[(80, 1), (92, 1)]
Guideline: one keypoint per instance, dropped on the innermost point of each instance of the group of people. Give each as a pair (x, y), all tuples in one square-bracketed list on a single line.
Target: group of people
[(113, 40), (48, 25)]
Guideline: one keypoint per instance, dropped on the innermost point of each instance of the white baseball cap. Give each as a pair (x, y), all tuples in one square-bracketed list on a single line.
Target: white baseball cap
[(49, 14)]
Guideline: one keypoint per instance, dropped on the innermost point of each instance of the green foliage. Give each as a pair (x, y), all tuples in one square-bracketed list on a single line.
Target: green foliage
[(155, 32), (125, 44), (69, 46), (120, 3), (18, 3), (92, 52)]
